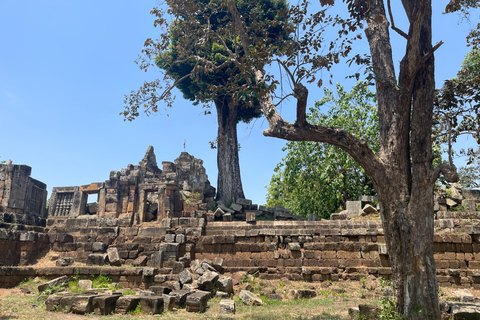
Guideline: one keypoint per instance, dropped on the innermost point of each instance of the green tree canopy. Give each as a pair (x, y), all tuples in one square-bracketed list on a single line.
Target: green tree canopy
[(319, 178)]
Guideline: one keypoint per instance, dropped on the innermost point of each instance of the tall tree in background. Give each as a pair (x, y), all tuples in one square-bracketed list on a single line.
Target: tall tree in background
[(197, 56), (319, 178)]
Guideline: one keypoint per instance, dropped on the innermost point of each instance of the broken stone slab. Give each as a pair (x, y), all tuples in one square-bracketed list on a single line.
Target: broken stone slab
[(82, 304), (197, 302), (221, 205), (463, 311), (141, 261), (227, 217), (236, 207), (126, 304), (450, 202), (146, 293), (85, 284), (221, 294), (342, 215), (249, 298), (149, 272), (301, 294), (156, 260), (185, 277), (226, 306), (64, 262), (114, 257), (58, 282), (208, 281), (225, 284), (245, 203), (151, 304), (369, 209), (219, 212), (180, 297), (217, 263), (354, 207), (52, 302), (469, 205), (105, 304), (98, 259), (168, 302), (463, 295)]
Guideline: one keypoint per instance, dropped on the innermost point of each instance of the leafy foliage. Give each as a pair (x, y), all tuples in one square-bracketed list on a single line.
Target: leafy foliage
[(318, 177), (469, 175)]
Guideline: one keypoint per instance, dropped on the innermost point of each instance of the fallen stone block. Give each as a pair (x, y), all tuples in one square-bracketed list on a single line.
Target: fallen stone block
[(82, 304), (113, 256), (185, 277), (207, 281), (126, 304), (225, 284), (64, 262), (197, 302), (151, 304), (52, 302), (249, 298), (160, 290), (58, 282), (226, 306), (97, 259), (180, 297), (141, 261), (85, 284), (301, 294), (103, 305)]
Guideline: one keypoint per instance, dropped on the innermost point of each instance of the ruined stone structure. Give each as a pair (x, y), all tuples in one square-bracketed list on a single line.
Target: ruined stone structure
[(141, 193), (22, 198)]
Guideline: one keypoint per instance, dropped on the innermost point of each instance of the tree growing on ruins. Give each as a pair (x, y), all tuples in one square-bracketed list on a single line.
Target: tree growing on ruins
[(196, 55), (319, 178)]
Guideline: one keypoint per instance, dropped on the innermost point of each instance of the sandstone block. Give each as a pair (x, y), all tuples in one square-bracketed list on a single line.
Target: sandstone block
[(151, 304), (103, 305), (249, 298), (126, 304), (227, 306), (197, 302), (207, 281), (61, 281), (113, 256)]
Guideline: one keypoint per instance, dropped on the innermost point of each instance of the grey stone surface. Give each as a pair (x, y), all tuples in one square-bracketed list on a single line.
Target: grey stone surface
[(225, 284), (249, 298), (208, 281), (98, 259), (197, 302), (64, 262), (85, 284), (354, 207), (113, 256), (226, 306), (185, 277), (180, 297), (105, 304), (126, 304), (61, 281), (151, 304)]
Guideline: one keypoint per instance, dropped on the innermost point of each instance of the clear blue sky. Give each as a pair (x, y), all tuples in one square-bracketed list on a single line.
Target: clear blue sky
[(65, 67)]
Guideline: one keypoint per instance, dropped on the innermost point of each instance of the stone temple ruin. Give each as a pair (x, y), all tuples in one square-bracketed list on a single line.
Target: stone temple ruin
[(141, 193), (164, 223)]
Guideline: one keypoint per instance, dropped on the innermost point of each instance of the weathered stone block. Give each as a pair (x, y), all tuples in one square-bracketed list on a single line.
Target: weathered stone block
[(98, 259), (249, 298), (61, 281), (113, 256), (180, 297), (185, 277), (197, 302), (104, 304), (152, 304), (227, 306), (126, 304), (225, 284), (82, 304)]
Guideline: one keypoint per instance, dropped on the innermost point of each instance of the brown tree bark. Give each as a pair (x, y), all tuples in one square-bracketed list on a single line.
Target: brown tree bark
[(402, 173), (229, 183)]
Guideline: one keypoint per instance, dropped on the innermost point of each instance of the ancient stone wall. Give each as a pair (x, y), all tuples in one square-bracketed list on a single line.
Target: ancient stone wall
[(22, 198)]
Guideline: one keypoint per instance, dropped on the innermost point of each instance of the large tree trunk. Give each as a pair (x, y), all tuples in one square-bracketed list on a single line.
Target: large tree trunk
[(229, 183)]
